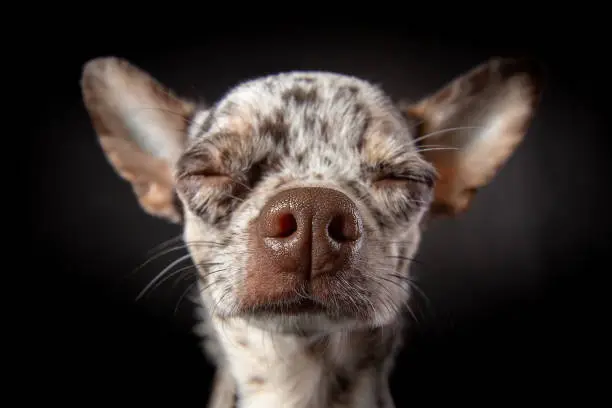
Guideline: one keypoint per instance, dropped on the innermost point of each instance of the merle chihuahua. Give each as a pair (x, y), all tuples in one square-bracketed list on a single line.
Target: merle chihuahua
[(303, 198)]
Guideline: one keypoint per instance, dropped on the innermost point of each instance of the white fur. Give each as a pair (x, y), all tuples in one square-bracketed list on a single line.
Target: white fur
[(290, 376)]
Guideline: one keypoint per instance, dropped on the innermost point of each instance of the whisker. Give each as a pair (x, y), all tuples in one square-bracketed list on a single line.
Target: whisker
[(178, 280), (234, 197), (242, 184), (414, 286), (405, 303), (437, 148), (388, 300), (402, 241), (178, 304), (432, 145), (186, 275), (186, 268), (161, 274), (164, 244), (172, 274), (406, 258), (205, 242), (437, 132), (207, 274), (154, 257)]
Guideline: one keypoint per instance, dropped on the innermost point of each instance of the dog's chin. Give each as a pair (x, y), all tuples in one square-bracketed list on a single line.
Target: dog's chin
[(301, 317), (302, 324)]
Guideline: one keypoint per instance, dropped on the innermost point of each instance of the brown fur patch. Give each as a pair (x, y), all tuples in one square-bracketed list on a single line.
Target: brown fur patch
[(341, 387), (275, 127), (257, 381), (300, 96)]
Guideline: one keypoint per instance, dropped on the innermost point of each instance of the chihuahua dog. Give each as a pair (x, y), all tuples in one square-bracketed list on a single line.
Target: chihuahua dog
[(302, 197)]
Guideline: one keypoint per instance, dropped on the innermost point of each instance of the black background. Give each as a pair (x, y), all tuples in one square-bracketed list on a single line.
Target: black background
[(511, 285)]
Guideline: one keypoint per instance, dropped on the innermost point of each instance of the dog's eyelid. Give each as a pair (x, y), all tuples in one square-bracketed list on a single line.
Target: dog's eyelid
[(426, 178), (397, 182), (202, 172), (423, 177), (208, 177), (205, 173)]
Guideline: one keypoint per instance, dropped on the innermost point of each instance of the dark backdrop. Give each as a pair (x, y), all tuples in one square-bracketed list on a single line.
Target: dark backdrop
[(509, 287)]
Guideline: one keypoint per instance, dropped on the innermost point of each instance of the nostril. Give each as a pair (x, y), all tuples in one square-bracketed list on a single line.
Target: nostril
[(341, 229), (286, 226)]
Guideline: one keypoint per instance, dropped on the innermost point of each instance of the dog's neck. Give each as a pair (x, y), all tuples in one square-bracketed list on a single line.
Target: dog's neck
[(264, 369)]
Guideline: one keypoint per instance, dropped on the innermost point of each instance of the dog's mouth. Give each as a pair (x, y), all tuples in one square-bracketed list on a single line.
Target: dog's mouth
[(289, 307), (320, 297)]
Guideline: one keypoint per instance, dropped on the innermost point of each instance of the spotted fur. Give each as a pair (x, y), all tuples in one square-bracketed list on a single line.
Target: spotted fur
[(215, 168)]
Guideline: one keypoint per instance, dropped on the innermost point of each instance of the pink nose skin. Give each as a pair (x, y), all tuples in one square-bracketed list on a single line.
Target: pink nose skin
[(310, 232)]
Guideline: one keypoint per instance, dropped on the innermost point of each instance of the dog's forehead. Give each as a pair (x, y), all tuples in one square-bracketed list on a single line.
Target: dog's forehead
[(304, 88), (304, 110)]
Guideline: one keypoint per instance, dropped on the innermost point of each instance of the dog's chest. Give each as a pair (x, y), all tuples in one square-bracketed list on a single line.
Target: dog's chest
[(292, 372)]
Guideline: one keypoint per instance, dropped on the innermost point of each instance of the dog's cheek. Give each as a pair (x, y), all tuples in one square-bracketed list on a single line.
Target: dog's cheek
[(235, 251), (391, 264), (201, 239)]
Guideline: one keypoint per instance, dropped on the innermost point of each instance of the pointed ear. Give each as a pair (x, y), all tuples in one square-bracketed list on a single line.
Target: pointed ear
[(142, 128), (470, 127)]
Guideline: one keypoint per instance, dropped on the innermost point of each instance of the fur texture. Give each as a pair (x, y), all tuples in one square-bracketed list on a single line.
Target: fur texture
[(214, 168)]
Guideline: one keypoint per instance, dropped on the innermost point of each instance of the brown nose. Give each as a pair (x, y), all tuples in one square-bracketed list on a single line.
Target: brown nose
[(310, 231)]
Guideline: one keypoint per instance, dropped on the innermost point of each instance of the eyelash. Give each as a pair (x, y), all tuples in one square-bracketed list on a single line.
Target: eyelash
[(407, 178), (404, 177)]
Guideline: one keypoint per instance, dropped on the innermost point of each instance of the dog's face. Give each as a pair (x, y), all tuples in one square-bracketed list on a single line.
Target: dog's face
[(303, 195)]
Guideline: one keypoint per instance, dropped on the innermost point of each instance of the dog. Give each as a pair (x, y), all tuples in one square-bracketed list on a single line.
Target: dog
[(303, 197)]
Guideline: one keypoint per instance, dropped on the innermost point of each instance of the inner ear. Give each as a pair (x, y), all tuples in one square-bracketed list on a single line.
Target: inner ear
[(470, 127), (142, 128)]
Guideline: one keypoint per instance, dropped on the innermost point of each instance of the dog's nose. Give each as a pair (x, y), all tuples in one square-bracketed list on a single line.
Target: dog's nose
[(310, 231)]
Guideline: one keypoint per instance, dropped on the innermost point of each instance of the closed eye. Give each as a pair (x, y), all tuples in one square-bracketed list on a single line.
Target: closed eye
[(198, 166), (210, 178), (404, 181)]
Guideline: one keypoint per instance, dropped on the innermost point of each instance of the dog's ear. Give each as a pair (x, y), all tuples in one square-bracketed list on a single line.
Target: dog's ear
[(470, 127), (142, 128)]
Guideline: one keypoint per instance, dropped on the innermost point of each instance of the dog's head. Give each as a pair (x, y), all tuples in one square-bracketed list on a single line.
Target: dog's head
[(303, 195)]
